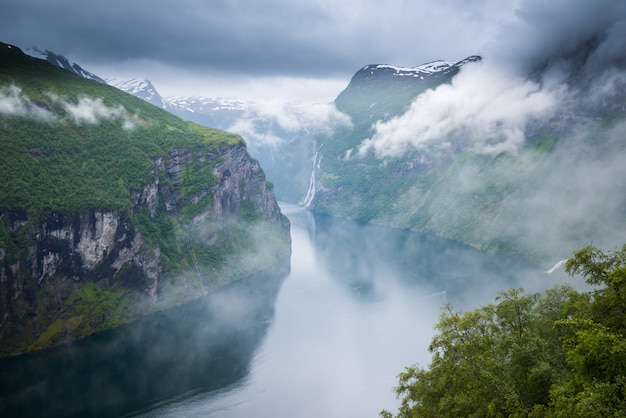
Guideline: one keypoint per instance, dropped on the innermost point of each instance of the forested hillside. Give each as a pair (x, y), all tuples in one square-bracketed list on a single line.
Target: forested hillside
[(111, 208)]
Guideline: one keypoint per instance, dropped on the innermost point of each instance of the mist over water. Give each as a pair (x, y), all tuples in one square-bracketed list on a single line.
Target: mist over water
[(325, 338)]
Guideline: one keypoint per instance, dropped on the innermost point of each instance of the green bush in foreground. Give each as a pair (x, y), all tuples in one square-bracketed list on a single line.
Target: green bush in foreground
[(557, 354)]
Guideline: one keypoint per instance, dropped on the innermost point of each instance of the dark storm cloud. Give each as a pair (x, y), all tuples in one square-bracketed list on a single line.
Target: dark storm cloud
[(312, 38), (218, 34), (221, 40), (565, 34)]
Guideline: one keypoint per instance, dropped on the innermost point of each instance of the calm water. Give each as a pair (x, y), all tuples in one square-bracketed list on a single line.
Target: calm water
[(325, 336)]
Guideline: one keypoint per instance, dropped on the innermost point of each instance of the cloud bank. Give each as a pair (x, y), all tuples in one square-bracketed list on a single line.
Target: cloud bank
[(482, 105), (266, 37), (87, 110), (271, 124), (250, 49), (13, 102), (92, 111), (550, 56)]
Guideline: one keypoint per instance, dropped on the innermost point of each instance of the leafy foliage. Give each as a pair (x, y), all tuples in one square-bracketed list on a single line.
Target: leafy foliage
[(196, 177), (494, 361), (560, 354)]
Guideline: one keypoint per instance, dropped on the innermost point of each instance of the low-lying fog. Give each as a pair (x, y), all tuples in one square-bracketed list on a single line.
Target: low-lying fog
[(326, 337)]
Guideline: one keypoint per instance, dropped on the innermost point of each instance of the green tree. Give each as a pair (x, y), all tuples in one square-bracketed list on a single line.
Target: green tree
[(561, 354), (594, 337), (499, 360)]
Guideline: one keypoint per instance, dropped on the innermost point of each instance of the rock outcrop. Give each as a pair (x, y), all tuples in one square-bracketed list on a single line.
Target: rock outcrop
[(204, 213)]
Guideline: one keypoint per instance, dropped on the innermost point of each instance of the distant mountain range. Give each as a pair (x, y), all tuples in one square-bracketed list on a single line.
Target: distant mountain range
[(215, 110)]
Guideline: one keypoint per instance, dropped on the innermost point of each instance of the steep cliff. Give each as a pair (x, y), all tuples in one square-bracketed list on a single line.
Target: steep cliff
[(111, 209)]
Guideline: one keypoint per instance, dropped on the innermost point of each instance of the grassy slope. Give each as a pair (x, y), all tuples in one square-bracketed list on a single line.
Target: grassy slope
[(61, 164)]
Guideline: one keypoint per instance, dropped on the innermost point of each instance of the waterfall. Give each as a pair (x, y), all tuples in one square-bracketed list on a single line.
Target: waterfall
[(556, 266), (310, 194)]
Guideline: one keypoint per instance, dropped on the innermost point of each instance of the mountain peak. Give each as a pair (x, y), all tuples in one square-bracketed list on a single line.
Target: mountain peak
[(428, 68), (142, 88), (61, 61), (434, 68)]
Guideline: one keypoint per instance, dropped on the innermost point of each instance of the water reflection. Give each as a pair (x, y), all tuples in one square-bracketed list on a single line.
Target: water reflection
[(205, 345), (358, 305), (370, 258)]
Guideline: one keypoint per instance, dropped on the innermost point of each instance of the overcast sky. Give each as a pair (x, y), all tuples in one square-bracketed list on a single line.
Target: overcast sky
[(279, 49)]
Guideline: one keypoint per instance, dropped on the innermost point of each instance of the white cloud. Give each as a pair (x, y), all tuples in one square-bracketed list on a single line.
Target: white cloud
[(272, 123), (174, 81), (11, 101), (91, 111), (611, 83), (255, 135), (484, 105), (308, 116), (14, 102), (321, 116)]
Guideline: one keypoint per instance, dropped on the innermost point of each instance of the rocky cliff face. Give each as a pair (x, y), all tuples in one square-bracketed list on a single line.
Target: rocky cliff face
[(204, 213)]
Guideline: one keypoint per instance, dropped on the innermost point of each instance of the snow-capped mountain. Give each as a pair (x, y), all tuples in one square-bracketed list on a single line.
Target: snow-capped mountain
[(143, 89), (214, 112), (420, 71), (221, 113), (434, 69), (208, 104), (61, 61)]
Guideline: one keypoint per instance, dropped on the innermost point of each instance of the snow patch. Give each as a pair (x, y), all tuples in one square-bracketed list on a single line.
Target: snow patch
[(428, 68)]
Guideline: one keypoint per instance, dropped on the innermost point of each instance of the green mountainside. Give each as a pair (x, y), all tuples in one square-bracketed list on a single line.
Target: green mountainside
[(556, 192), (111, 208), (378, 93), (72, 157)]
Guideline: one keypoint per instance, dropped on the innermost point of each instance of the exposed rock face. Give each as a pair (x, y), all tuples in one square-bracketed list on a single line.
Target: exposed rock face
[(75, 245), (239, 179), (70, 275)]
